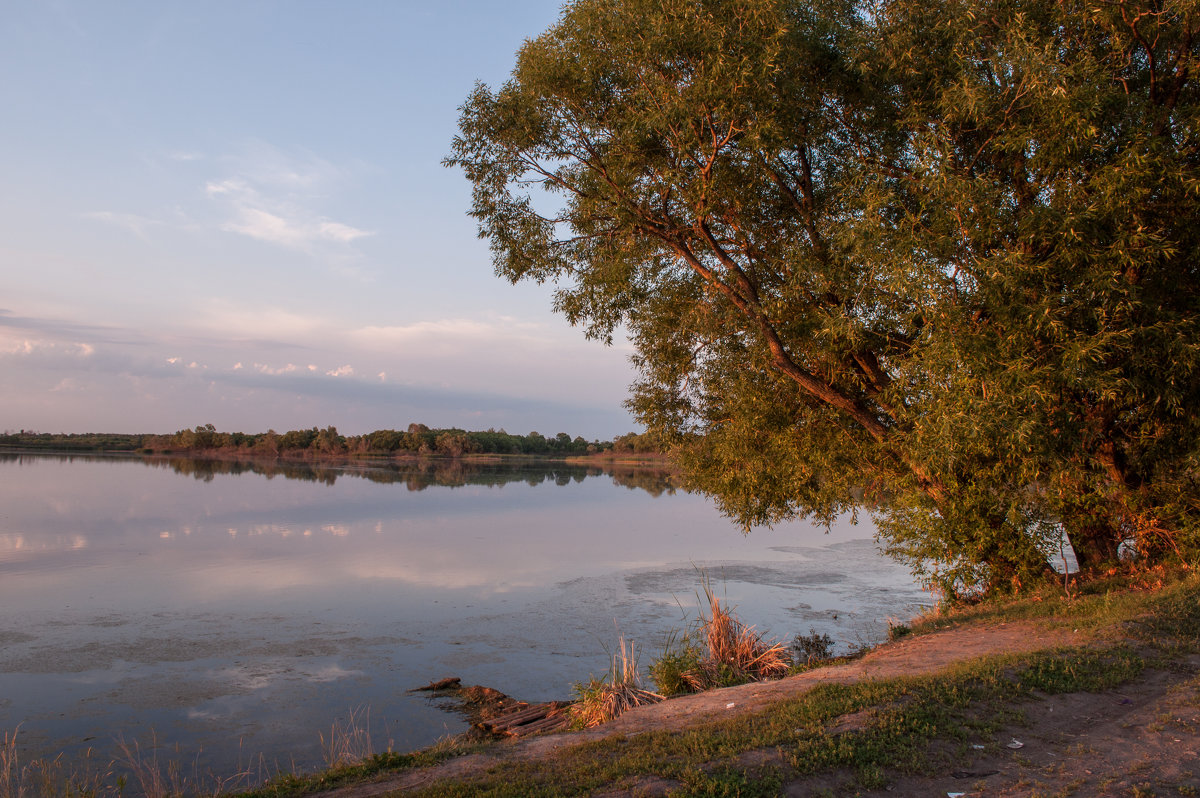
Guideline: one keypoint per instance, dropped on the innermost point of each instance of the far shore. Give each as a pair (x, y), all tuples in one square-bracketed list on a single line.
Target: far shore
[(652, 459)]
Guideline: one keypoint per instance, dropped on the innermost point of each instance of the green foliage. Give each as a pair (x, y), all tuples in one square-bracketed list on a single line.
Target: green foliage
[(937, 258)]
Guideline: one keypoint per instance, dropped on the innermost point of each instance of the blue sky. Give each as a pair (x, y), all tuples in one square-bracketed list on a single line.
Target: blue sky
[(235, 213)]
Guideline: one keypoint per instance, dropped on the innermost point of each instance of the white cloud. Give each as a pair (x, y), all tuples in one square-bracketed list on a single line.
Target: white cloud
[(273, 198), (424, 333), (16, 346), (14, 342), (265, 369), (230, 186), (132, 222), (351, 376), (335, 231), (295, 232), (229, 321), (266, 227)]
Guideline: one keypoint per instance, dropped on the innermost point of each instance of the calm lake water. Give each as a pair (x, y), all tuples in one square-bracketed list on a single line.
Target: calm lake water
[(232, 611)]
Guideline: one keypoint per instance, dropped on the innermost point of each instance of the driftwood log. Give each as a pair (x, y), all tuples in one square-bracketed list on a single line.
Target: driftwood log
[(532, 719), (449, 683), (494, 714)]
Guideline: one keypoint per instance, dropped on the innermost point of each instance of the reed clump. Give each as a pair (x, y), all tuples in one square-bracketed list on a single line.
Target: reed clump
[(54, 776), (349, 741), (602, 699), (718, 651)]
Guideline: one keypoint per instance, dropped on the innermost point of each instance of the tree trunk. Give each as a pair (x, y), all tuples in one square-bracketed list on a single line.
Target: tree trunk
[(1095, 542), (1011, 558)]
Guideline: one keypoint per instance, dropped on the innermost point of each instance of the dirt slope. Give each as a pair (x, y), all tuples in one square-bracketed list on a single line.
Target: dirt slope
[(1141, 741)]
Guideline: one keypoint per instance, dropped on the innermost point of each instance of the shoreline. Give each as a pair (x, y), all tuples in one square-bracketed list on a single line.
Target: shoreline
[(996, 699), (302, 457)]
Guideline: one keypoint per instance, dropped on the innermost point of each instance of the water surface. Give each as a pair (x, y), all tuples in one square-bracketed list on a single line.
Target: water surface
[(237, 611)]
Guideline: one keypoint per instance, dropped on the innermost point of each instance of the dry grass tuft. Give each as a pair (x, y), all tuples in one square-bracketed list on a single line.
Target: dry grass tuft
[(736, 653), (718, 650), (349, 741), (601, 700), (49, 778), (10, 768), (153, 778), (169, 777)]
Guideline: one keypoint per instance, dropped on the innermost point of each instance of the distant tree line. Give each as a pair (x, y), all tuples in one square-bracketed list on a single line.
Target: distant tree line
[(417, 439), (73, 442)]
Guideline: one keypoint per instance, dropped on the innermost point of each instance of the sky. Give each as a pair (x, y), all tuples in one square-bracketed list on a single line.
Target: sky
[(234, 212)]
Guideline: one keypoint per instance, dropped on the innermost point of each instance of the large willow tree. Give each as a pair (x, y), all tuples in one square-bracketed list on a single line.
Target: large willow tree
[(935, 257)]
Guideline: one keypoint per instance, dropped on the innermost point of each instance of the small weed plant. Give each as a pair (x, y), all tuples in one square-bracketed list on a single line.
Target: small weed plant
[(812, 649), (681, 656)]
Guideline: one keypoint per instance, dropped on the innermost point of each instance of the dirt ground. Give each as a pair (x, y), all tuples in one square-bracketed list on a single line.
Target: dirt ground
[(1140, 741)]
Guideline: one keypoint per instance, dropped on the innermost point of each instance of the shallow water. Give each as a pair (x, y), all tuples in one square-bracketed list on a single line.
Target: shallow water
[(234, 612)]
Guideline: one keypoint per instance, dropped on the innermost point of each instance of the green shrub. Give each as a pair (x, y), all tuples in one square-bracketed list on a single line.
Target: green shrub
[(670, 671), (812, 648)]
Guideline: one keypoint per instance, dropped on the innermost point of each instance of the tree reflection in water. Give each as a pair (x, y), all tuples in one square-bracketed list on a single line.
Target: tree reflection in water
[(416, 474)]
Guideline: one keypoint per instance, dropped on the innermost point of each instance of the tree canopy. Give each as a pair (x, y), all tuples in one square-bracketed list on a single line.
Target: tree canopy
[(937, 258)]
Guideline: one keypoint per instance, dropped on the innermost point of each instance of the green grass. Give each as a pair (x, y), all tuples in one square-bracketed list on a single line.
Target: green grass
[(390, 762), (1097, 607)]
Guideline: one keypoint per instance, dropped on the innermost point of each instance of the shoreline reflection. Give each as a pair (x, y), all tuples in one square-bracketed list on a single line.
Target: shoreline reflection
[(416, 474)]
